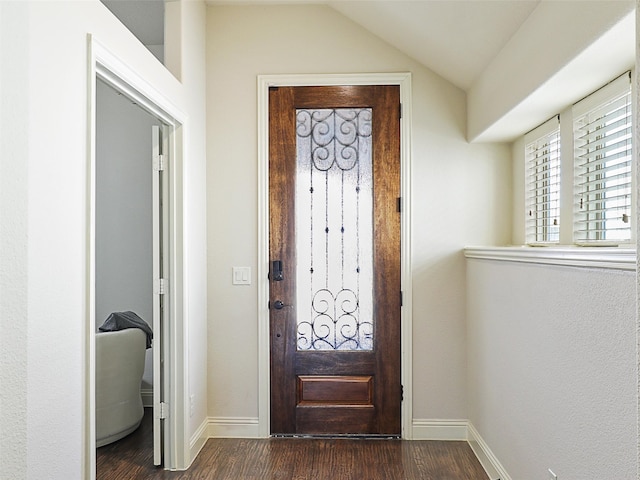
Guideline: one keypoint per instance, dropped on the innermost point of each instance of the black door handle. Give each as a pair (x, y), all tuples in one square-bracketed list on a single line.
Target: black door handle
[(278, 305)]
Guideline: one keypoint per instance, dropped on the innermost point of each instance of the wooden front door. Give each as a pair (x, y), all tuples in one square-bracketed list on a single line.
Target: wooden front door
[(335, 299)]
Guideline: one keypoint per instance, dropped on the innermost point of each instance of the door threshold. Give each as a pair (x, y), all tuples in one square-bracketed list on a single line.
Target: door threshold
[(337, 436)]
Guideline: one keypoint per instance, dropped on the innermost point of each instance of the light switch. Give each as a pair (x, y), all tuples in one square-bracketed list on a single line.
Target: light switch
[(241, 275)]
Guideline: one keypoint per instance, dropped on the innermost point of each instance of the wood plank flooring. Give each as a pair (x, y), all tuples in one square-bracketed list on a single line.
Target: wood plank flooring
[(295, 459)]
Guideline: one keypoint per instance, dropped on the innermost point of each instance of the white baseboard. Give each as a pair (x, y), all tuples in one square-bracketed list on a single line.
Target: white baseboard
[(487, 459), (233, 427), (198, 439), (439, 430), (461, 430)]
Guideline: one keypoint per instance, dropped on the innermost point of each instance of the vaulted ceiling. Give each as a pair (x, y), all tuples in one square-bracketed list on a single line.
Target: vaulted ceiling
[(454, 38), (471, 44)]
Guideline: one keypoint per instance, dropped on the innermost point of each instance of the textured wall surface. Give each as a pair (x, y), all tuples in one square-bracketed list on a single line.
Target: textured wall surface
[(45, 174), (552, 368), (13, 239), (636, 140)]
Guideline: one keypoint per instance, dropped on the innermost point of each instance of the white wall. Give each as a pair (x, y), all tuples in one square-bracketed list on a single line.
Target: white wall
[(552, 368), (14, 149), (636, 140), (460, 195), (45, 165), (192, 61), (124, 211), (552, 350)]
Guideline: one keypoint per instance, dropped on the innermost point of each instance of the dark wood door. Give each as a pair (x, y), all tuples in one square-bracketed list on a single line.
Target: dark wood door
[(335, 299)]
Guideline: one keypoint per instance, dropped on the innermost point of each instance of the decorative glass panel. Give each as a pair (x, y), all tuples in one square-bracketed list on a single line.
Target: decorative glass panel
[(334, 241)]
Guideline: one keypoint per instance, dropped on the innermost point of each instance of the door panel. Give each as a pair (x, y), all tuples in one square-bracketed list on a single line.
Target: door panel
[(158, 373), (315, 390), (335, 310)]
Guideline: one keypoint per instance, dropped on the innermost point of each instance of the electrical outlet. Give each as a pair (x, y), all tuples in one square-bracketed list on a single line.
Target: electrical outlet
[(552, 476)]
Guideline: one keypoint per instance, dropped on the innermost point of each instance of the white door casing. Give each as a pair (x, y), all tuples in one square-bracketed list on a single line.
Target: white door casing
[(108, 68)]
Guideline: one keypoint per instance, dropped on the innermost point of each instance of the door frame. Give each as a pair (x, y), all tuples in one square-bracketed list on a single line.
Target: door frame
[(403, 80), (105, 66)]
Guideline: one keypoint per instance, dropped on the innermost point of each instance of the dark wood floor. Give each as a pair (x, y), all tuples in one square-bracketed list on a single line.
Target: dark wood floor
[(295, 459)]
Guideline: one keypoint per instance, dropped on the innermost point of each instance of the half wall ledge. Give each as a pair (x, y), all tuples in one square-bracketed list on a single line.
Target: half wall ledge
[(612, 258)]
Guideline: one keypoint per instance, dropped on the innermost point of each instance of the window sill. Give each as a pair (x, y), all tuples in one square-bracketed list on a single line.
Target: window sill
[(613, 258)]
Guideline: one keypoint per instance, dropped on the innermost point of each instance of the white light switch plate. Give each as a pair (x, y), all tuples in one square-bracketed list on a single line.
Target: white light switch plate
[(241, 275)]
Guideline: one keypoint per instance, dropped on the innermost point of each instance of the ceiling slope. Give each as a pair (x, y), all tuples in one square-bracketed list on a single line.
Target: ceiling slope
[(455, 39), (563, 52)]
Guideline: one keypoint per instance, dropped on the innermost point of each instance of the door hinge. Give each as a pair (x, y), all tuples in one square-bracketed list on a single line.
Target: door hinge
[(160, 286), (400, 110), (164, 411), (399, 204), (402, 393), (401, 299), (158, 163)]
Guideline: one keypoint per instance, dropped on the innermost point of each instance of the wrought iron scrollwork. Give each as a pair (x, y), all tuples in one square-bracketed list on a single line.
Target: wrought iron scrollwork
[(335, 135), (331, 143), (335, 324)]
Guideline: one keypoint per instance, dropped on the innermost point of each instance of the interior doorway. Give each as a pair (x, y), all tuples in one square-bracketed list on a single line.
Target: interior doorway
[(128, 261), (168, 391)]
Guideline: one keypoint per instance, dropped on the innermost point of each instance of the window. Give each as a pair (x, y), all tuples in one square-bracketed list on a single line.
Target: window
[(587, 198), (543, 183), (603, 156)]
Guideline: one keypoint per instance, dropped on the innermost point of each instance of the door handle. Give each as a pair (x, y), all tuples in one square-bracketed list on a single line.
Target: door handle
[(278, 305)]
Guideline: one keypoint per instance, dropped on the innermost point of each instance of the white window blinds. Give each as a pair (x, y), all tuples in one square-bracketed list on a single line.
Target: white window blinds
[(542, 183), (603, 165)]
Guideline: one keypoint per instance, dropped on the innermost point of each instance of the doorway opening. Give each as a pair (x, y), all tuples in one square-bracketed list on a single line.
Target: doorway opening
[(161, 251), (128, 259)]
